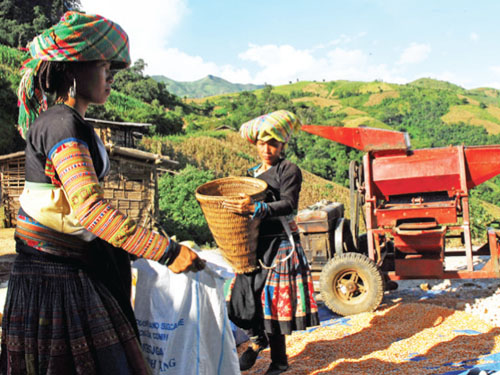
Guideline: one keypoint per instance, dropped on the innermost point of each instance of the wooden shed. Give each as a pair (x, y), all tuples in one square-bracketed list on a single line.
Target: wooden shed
[(131, 186), (11, 185)]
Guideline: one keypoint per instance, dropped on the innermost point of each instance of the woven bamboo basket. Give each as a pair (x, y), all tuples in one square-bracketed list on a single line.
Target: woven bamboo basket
[(236, 235)]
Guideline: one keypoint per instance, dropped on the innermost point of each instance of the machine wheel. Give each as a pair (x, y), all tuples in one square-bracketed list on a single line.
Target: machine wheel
[(343, 239), (351, 283)]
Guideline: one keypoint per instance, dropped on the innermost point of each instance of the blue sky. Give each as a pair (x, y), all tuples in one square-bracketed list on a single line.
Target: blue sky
[(277, 41)]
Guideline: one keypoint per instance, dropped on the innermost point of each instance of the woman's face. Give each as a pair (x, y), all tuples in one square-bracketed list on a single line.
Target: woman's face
[(269, 152), (93, 81)]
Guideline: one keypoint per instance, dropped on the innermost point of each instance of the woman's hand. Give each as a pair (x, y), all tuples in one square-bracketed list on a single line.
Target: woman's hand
[(243, 206), (187, 260)]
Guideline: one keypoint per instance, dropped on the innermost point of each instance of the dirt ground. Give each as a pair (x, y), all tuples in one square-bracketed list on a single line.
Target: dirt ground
[(7, 252), (7, 243)]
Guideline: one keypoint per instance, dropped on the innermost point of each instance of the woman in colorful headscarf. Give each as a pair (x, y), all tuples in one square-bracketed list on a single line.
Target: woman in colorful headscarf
[(277, 298), (68, 305)]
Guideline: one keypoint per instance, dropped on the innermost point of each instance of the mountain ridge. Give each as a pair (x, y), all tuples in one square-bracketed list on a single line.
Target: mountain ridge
[(206, 86)]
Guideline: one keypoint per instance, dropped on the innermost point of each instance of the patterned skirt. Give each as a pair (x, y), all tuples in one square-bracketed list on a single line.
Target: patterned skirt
[(60, 318), (278, 300)]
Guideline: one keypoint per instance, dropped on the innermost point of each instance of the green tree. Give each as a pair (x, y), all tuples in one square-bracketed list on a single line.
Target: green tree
[(180, 212), (10, 141), (10, 61), (41, 21), (322, 157), (480, 218), (22, 20), (166, 122), (133, 82)]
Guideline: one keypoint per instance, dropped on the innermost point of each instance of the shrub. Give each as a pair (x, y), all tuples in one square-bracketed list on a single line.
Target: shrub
[(180, 213)]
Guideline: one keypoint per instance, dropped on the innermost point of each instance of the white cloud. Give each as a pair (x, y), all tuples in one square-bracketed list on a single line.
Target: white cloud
[(474, 37), (495, 70), (444, 76), (278, 63), (271, 55), (149, 23), (356, 65), (495, 85), (414, 54), (178, 65), (462, 80), (281, 64), (342, 39), (342, 58), (234, 75), (150, 31)]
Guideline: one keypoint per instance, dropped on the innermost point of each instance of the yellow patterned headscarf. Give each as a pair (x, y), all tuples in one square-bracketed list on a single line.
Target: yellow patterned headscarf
[(277, 125), (76, 37)]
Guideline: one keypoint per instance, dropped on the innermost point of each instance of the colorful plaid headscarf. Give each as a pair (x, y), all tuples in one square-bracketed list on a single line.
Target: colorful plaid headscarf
[(77, 37), (277, 125)]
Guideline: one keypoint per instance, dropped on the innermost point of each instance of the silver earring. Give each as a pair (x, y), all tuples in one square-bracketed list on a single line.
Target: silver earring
[(72, 89)]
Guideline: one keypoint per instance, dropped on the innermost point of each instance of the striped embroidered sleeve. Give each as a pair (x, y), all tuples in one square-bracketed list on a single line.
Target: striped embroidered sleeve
[(73, 164)]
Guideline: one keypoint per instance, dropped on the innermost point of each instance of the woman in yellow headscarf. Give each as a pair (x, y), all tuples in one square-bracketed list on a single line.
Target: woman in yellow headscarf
[(277, 298), (68, 305)]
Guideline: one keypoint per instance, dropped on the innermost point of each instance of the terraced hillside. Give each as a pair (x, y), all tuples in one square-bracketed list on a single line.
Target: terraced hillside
[(383, 105), (433, 113)]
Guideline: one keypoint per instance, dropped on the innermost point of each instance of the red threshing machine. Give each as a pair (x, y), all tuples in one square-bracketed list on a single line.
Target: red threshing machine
[(412, 202)]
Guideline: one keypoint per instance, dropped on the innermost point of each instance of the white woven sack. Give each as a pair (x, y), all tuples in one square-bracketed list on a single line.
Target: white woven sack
[(183, 322)]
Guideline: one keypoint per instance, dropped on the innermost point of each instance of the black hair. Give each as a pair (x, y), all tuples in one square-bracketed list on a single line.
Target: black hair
[(53, 78)]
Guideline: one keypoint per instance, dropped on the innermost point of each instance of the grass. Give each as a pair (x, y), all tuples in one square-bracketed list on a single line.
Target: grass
[(377, 98), (376, 87), (491, 209), (355, 121), (320, 89), (474, 115), (350, 111), (494, 111), (469, 99), (308, 86)]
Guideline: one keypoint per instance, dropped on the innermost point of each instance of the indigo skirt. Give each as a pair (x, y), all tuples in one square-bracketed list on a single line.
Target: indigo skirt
[(63, 318)]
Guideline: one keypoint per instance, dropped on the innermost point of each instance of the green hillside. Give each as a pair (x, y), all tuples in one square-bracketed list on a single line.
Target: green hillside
[(427, 109), (208, 86), (10, 61), (430, 83), (434, 113)]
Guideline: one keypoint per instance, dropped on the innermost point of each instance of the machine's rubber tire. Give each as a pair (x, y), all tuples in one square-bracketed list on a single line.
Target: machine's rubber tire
[(351, 283), (343, 240)]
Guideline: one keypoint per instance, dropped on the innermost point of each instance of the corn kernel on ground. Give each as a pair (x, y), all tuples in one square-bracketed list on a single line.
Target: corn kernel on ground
[(413, 338)]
